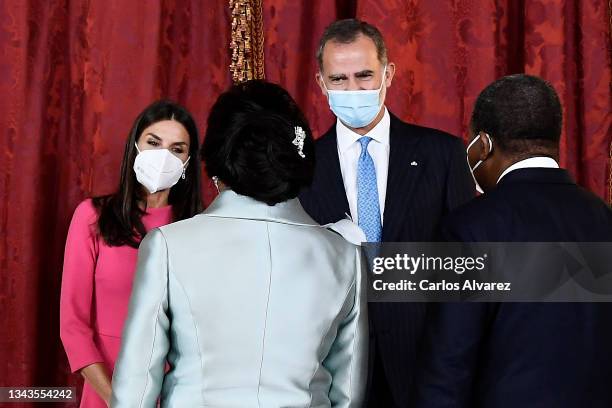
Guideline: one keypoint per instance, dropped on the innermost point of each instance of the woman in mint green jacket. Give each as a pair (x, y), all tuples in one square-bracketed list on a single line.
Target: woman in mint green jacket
[(251, 303)]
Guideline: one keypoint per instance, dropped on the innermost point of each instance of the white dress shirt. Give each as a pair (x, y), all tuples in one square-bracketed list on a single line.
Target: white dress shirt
[(532, 162), (349, 150)]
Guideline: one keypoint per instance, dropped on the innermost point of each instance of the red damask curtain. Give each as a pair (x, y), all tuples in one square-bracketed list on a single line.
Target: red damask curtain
[(74, 74), (73, 77), (446, 52)]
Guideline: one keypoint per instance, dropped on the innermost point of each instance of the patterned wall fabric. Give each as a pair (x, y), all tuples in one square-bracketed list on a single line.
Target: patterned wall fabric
[(73, 77), (293, 29), (447, 52)]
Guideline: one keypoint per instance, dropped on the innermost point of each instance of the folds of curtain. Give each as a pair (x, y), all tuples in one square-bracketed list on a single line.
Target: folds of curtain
[(447, 52), (73, 77)]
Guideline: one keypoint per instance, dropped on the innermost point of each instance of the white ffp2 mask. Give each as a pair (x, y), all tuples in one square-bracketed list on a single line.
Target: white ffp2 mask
[(158, 169)]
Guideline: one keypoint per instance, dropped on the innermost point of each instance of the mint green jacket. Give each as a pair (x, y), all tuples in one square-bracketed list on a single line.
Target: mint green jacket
[(250, 305)]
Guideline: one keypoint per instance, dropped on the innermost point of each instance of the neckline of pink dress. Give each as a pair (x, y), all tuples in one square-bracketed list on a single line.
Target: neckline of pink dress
[(159, 210)]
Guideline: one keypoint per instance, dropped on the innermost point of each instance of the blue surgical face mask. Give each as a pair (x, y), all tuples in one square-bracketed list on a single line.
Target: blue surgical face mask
[(356, 109)]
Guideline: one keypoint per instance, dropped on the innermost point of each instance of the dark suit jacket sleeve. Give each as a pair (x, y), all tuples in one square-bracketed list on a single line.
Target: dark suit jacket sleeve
[(454, 338), (458, 228), (459, 183)]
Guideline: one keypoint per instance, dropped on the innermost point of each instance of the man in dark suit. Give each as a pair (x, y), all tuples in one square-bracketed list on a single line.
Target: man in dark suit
[(509, 355), (396, 180)]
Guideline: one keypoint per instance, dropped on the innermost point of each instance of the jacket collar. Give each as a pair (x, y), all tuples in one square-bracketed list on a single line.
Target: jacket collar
[(347, 137), (537, 175), (402, 177), (530, 163), (230, 204)]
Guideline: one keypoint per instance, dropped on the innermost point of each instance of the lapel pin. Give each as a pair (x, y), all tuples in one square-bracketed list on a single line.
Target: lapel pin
[(414, 163)]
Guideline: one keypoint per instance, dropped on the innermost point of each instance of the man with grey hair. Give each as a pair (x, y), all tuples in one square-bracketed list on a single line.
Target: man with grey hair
[(396, 180)]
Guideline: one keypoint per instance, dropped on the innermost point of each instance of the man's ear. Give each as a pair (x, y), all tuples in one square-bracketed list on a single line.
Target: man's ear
[(389, 74), (487, 146), (319, 79)]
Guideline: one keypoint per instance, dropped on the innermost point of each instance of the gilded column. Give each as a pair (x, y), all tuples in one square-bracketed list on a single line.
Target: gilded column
[(247, 40)]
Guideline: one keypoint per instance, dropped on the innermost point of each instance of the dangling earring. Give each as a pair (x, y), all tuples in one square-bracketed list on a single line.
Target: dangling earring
[(185, 166), (215, 180)]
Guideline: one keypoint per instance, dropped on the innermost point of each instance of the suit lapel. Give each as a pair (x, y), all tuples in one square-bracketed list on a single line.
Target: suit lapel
[(405, 167), (331, 178)]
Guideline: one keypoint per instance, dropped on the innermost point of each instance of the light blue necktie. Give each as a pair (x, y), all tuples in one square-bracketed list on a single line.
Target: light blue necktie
[(368, 208)]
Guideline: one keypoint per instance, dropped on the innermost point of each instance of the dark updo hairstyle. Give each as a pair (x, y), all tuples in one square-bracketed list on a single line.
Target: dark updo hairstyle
[(249, 143), (120, 214)]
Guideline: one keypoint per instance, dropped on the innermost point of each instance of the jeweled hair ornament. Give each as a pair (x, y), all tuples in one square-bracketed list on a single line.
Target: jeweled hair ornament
[(300, 136)]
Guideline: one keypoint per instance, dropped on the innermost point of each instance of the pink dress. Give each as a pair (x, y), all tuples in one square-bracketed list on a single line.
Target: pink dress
[(96, 286)]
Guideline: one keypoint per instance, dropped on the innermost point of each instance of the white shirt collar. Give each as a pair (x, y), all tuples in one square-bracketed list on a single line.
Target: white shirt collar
[(538, 161), (379, 133)]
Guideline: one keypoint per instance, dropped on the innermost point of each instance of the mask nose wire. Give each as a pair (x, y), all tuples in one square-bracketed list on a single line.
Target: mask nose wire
[(184, 164)]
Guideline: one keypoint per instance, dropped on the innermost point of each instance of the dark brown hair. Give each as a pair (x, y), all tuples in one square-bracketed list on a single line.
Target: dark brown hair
[(119, 214), (346, 31)]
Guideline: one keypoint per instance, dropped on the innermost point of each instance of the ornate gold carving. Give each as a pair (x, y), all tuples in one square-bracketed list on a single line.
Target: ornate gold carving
[(247, 40)]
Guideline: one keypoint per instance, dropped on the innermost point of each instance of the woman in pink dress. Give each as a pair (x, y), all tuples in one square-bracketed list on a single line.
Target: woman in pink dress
[(160, 183)]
